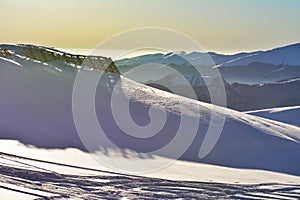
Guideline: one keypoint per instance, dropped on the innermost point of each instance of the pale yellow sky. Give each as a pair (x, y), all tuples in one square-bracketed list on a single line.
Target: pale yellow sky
[(221, 26)]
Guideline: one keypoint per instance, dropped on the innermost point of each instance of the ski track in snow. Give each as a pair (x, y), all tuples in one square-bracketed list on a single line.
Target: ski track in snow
[(42, 183)]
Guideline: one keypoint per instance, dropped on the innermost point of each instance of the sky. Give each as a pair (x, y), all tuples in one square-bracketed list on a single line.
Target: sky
[(222, 26)]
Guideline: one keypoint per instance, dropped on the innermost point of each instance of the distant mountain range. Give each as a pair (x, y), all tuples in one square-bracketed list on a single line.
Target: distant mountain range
[(248, 68), (255, 80)]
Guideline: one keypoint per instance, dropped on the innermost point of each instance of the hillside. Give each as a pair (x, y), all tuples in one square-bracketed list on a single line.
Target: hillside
[(40, 102)]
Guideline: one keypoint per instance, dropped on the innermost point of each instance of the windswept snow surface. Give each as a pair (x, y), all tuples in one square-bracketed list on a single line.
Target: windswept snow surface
[(289, 115), (32, 173), (36, 109)]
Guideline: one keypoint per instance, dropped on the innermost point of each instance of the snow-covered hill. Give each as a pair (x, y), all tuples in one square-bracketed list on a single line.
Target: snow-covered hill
[(36, 108), (289, 115)]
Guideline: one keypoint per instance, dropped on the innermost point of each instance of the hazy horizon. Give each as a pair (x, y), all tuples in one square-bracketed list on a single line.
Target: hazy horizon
[(86, 51), (116, 54), (219, 26)]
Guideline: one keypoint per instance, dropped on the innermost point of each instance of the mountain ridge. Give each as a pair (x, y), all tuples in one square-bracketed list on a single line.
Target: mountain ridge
[(258, 67), (226, 57), (53, 57)]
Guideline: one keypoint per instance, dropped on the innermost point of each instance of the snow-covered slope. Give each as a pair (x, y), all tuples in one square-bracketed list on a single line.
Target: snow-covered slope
[(29, 173), (36, 108), (289, 115)]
